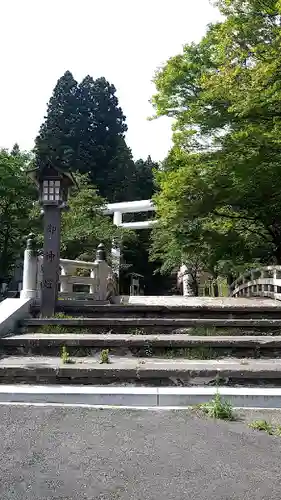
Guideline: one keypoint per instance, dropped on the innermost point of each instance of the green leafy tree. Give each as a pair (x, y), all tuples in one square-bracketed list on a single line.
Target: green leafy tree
[(84, 226), (17, 196), (219, 186)]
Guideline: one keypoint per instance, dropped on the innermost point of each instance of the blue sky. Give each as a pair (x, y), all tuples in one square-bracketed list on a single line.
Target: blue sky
[(124, 40)]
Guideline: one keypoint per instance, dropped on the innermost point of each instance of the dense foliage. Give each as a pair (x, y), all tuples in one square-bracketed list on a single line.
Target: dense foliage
[(219, 198), (84, 226), (17, 195)]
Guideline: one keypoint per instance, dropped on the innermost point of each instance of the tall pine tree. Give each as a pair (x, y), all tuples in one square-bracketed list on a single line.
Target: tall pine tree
[(143, 184), (84, 130), (102, 150), (57, 142)]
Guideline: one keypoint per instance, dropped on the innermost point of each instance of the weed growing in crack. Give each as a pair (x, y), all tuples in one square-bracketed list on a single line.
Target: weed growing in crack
[(136, 331), (199, 352), (277, 430), (104, 357), (218, 408), (53, 329), (60, 329), (65, 357), (62, 315), (263, 425)]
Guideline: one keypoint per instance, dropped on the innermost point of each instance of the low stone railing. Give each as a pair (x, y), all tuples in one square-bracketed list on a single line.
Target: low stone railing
[(262, 282), (69, 277), (96, 277)]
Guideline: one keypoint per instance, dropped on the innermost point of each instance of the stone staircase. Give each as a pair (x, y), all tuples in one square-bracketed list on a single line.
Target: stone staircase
[(205, 342)]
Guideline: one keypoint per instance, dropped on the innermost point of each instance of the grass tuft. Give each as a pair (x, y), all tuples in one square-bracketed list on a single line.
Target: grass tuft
[(199, 352), (62, 315), (65, 357), (218, 408), (261, 425), (136, 331), (104, 357)]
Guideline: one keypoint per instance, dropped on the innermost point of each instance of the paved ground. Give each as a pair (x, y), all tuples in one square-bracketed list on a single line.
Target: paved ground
[(179, 300), (76, 454)]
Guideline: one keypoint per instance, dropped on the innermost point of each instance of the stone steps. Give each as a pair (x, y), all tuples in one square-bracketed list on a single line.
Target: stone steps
[(139, 371), (171, 322), (254, 345), (167, 342), (164, 346), (223, 309)]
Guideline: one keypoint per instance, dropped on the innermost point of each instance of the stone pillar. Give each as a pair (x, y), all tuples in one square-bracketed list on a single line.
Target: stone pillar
[(115, 259), (29, 284), (187, 290), (115, 249), (94, 287), (65, 286), (274, 280), (51, 259), (117, 218), (103, 271)]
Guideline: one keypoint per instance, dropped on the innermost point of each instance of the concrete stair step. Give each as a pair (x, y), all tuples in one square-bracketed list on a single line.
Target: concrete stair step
[(200, 308), (162, 322), (139, 371), (162, 345), (119, 340)]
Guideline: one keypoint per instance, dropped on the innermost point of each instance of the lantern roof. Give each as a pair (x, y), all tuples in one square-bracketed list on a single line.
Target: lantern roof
[(46, 171)]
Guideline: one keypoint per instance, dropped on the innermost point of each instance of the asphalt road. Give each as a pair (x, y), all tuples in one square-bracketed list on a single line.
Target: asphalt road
[(76, 454)]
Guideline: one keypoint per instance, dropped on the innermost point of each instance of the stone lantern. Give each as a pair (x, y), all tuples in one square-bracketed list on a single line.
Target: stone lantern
[(53, 184)]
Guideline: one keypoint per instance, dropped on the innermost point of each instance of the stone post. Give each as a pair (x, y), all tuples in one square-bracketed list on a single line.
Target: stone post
[(95, 286), (51, 259), (29, 285), (187, 290), (115, 249), (65, 286), (103, 271), (115, 258), (275, 280)]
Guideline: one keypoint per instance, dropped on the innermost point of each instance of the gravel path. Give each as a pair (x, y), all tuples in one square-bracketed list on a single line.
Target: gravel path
[(75, 454)]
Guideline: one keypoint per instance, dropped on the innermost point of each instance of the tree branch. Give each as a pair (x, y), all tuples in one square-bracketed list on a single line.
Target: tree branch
[(253, 219), (238, 217)]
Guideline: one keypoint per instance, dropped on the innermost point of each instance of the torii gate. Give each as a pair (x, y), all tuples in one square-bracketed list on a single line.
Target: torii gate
[(118, 209)]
